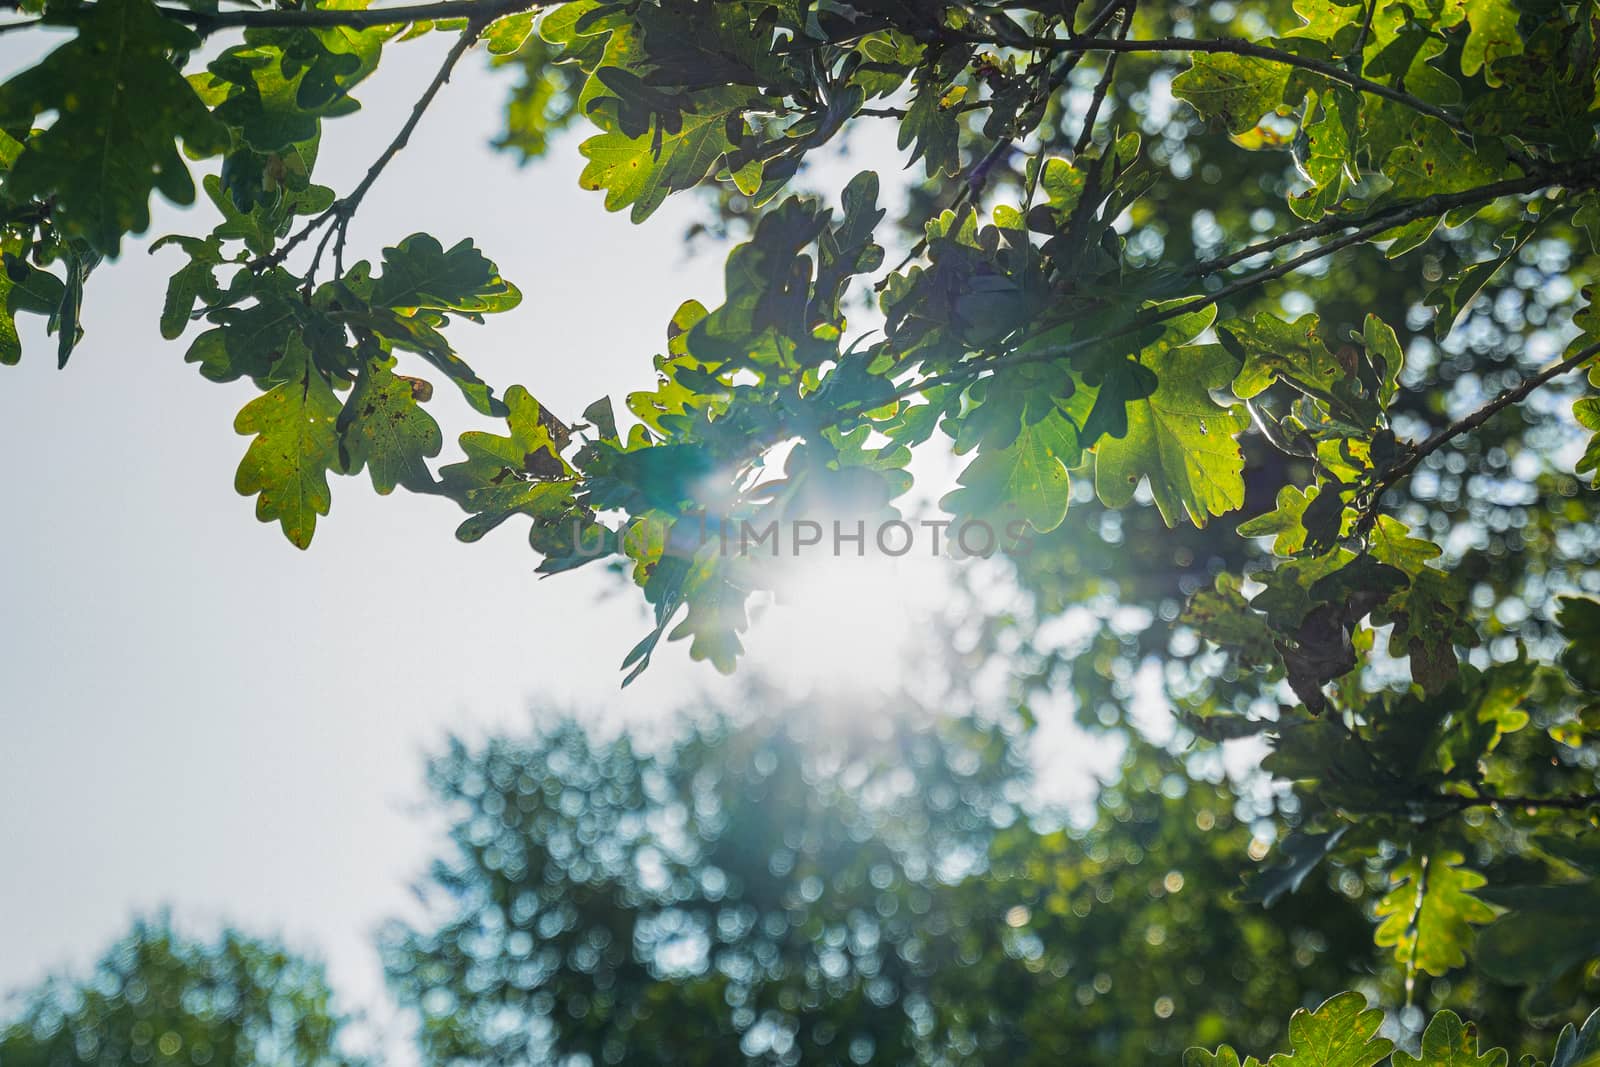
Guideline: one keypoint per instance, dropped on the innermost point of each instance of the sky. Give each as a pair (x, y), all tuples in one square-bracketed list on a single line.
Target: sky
[(196, 715)]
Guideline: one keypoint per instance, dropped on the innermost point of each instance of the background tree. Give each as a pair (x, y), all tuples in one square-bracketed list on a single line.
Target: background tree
[(829, 884), (157, 997), (845, 885)]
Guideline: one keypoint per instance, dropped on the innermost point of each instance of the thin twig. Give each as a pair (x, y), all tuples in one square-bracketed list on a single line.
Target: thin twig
[(1358, 52), (1414, 927), (1391, 476), (340, 211), (978, 173), (468, 37), (1086, 135)]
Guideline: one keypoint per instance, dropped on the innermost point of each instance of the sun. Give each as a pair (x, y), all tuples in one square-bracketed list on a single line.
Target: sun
[(845, 624)]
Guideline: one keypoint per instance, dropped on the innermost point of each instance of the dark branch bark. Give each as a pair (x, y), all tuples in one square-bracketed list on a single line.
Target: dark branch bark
[(1400, 214), (1230, 46), (1515, 395), (1569, 802), (206, 22), (1086, 135)]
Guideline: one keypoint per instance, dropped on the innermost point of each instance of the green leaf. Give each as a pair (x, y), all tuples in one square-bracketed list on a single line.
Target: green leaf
[(274, 89), (522, 473), (1338, 1034), (247, 341), (10, 343), (419, 273), (1435, 161), (931, 127), (1587, 218), (643, 171), (1403, 50), (1297, 516), (121, 105), (1428, 623), (1233, 90), (1579, 619), (257, 228), (1300, 854), (1578, 1048), (24, 287), (1547, 931), (1271, 349), (505, 35), (1448, 1042), (66, 321), (382, 427), (1223, 1057), (716, 613), (1587, 414), (1545, 95), (1184, 442), (195, 282), (1493, 34), (1328, 161), (1428, 915), (601, 416), (1294, 352), (1063, 184), (295, 447), (1025, 480), (1222, 615), (1383, 356), (1455, 295), (1391, 542)]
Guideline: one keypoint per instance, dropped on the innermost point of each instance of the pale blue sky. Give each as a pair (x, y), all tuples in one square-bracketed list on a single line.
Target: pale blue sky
[(192, 711)]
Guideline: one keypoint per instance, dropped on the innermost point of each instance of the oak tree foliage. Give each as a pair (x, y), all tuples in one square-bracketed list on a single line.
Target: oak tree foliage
[(1270, 322)]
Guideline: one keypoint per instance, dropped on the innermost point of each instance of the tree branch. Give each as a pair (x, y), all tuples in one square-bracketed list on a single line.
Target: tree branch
[(206, 22), (1399, 214), (978, 173), (1515, 395), (1581, 174), (342, 210), (1228, 45), (1086, 135), (1414, 925), (1357, 57), (1569, 802)]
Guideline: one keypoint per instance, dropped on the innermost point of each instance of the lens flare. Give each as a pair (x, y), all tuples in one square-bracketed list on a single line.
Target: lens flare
[(846, 624)]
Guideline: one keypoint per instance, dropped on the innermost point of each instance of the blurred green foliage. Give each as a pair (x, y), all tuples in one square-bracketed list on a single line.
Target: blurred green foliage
[(160, 998), (846, 885)]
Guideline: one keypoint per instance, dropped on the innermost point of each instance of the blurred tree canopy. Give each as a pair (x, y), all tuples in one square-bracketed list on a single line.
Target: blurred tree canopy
[(158, 997), (836, 885), (1265, 330), (848, 885)]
